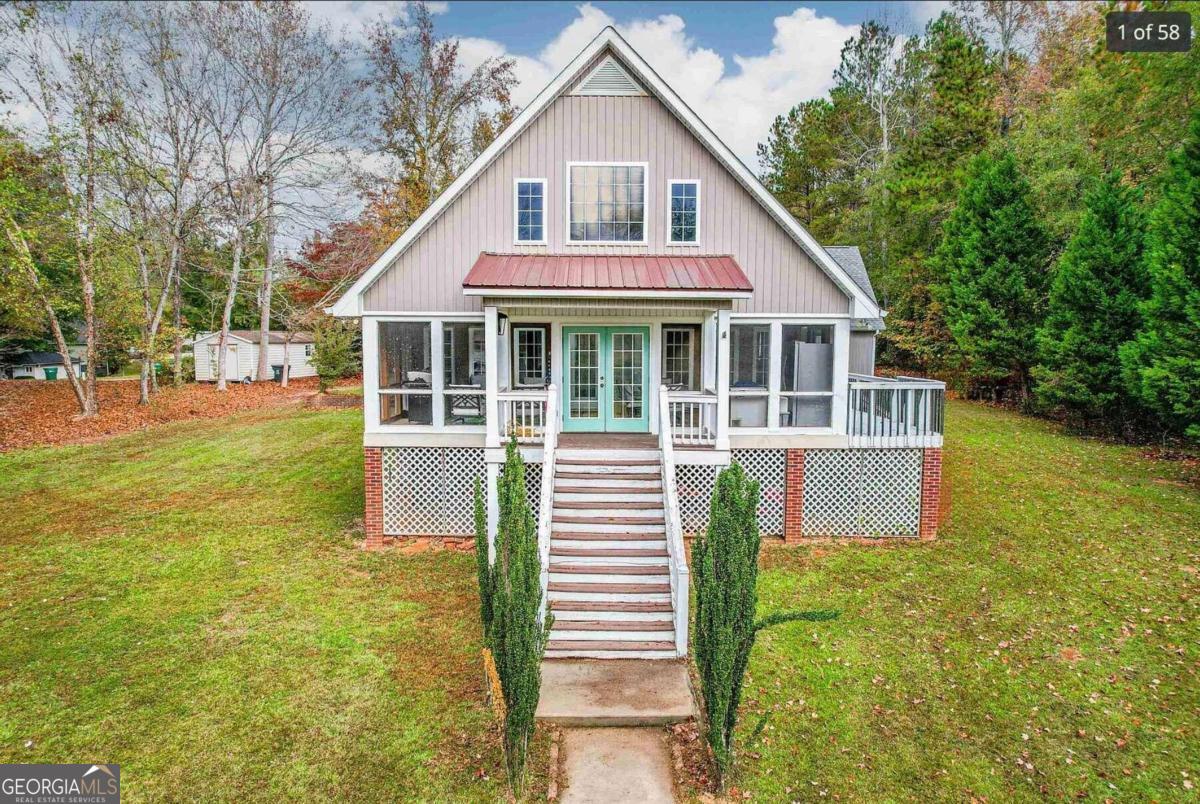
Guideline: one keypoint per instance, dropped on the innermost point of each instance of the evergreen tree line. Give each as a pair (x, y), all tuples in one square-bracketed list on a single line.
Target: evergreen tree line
[(1028, 205)]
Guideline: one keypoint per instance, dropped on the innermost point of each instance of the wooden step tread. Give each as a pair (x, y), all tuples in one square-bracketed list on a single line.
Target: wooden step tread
[(599, 644), (608, 552), (608, 520), (612, 625), (610, 588), (609, 505), (639, 490), (608, 475), (606, 462), (610, 569), (642, 607), (595, 536)]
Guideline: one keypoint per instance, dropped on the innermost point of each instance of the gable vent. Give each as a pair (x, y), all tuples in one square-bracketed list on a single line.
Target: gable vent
[(608, 79)]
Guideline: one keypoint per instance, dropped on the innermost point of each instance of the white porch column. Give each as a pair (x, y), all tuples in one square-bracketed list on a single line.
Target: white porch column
[(841, 374), (370, 347), (722, 379), (708, 353), (654, 371), (437, 337), (491, 358), (774, 373)]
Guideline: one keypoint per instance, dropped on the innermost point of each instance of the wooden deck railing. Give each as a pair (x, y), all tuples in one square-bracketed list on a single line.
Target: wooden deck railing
[(524, 414), (692, 417), (895, 411)]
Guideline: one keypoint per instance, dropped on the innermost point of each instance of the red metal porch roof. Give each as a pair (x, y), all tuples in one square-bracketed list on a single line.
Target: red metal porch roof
[(615, 272)]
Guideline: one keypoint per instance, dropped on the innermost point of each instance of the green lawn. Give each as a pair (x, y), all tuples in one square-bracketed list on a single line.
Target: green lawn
[(1047, 644), (189, 602)]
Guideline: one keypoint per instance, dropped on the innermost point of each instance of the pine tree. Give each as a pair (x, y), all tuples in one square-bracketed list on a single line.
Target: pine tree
[(1162, 364), (949, 87), (517, 637), (725, 569), (1093, 309), (991, 270)]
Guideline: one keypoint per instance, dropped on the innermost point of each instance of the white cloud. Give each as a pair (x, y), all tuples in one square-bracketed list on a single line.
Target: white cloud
[(922, 12), (739, 105), (350, 16)]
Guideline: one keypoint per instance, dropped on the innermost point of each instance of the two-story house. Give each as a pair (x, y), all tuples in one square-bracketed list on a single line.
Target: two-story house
[(611, 286)]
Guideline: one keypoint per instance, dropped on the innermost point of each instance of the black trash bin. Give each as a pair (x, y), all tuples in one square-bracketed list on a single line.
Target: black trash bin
[(277, 373)]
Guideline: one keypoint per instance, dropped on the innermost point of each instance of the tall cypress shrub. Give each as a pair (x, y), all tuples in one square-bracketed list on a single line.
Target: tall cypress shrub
[(725, 569), (1093, 309), (991, 269), (516, 638), (483, 566), (1162, 364)]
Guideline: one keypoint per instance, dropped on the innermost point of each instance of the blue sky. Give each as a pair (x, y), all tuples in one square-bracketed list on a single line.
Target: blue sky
[(738, 65)]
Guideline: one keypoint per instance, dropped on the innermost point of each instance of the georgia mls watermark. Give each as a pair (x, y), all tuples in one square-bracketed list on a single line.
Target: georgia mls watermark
[(60, 784)]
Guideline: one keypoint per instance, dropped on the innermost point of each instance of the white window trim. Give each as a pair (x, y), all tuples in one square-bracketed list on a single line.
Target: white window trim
[(691, 349), (645, 166), (516, 381), (517, 212), (683, 243)]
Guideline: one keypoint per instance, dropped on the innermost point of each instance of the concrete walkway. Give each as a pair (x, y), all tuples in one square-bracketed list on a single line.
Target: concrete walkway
[(615, 692), (616, 765), (614, 747)]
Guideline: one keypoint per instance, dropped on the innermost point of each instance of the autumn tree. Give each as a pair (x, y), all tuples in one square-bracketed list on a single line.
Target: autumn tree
[(61, 63), (432, 116)]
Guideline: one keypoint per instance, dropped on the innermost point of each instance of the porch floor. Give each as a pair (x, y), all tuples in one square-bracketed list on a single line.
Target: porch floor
[(607, 441)]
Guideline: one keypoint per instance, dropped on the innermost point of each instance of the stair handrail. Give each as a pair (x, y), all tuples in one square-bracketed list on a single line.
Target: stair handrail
[(546, 501), (680, 576)]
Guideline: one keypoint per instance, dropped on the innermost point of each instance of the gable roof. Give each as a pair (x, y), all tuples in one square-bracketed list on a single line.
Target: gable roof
[(251, 336), (863, 305), (39, 359), (850, 258)]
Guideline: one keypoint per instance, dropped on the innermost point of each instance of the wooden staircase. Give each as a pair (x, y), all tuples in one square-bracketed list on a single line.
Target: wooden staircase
[(610, 573)]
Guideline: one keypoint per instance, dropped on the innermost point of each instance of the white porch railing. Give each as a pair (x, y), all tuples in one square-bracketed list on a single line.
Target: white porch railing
[(524, 414), (692, 417), (549, 447), (680, 575), (895, 411)]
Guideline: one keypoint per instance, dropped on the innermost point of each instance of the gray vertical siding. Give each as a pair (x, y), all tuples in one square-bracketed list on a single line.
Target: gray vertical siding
[(862, 353), (428, 276)]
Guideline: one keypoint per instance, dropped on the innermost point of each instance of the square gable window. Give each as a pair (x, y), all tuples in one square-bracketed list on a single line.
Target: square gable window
[(607, 203)]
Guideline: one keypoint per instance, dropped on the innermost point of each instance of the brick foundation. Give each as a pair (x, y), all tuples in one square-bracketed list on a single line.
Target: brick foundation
[(931, 492), (373, 510), (793, 498)]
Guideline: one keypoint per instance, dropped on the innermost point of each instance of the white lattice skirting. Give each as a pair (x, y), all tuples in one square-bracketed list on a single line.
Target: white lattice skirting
[(694, 484), (430, 491), (862, 492), (847, 492)]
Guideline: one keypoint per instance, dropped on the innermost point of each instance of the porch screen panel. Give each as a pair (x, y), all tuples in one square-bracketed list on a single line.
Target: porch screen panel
[(405, 372)]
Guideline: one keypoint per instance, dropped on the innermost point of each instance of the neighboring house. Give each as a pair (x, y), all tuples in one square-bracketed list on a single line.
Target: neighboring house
[(241, 360), (41, 366), (611, 286)]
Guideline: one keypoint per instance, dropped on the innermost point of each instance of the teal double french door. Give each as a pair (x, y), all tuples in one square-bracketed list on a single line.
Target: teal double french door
[(606, 379)]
